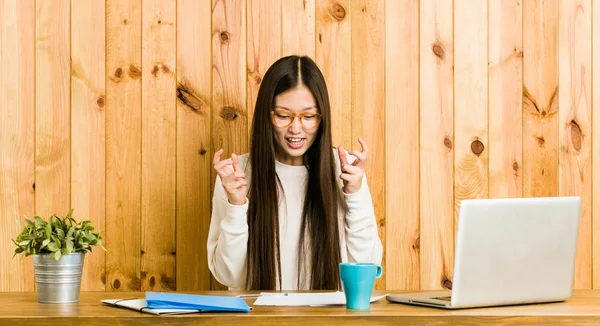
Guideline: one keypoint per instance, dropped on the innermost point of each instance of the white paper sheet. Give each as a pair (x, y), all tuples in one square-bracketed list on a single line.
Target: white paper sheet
[(305, 299)]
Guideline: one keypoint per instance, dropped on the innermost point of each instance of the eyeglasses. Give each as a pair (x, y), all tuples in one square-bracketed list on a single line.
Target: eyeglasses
[(284, 118)]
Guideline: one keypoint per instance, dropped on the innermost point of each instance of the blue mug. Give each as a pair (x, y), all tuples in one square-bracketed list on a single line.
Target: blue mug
[(358, 280)]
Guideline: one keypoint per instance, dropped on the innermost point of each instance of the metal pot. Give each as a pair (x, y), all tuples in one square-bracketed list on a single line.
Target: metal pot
[(58, 281)]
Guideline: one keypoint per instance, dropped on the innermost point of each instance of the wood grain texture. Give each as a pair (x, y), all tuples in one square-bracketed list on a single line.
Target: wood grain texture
[(21, 309), (71, 119), (298, 27), (540, 98), (505, 98), (123, 143), (402, 134), (595, 148), (159, 129), (88, 128), (368, 101), (52, 97), (194, 162), (229, 111), (436, 242), (17, 57), (332, 47), (263, 46), (471, 159), (575, 124)]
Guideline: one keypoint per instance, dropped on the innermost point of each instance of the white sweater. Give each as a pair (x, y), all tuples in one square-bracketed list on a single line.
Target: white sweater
[(228, 235)]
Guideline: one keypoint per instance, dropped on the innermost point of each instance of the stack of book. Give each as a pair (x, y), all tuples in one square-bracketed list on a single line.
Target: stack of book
[(167, 303)]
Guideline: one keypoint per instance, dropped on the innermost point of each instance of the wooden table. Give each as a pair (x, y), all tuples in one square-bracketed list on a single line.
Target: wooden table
[(23, 309)]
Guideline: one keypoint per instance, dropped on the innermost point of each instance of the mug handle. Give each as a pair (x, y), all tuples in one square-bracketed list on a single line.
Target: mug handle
[(379, 272)]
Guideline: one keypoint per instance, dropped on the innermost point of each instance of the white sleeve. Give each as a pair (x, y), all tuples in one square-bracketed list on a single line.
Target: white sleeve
[(362, 240), (227, 240)]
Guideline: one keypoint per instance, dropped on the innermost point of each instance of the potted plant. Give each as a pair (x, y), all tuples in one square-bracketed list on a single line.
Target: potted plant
[(58, 247)]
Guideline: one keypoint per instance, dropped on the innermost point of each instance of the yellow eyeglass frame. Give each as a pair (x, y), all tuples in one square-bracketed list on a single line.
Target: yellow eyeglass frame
[(293, 116)]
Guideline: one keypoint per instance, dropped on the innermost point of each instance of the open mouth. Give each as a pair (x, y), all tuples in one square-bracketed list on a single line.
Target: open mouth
[(295, 142)]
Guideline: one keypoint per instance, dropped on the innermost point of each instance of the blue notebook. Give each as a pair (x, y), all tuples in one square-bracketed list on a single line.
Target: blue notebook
[(168, 300)]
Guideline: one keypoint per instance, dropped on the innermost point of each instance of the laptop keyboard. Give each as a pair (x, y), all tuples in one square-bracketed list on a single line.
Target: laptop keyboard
[(448, 298)]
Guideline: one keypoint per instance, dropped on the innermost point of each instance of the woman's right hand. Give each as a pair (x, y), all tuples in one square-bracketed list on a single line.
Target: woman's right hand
[(232, 177)]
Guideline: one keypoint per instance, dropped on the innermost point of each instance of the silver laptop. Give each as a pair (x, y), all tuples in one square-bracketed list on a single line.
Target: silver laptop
[(509, 251)]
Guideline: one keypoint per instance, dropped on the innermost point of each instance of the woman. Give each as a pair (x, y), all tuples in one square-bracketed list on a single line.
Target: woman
[(285, 215)]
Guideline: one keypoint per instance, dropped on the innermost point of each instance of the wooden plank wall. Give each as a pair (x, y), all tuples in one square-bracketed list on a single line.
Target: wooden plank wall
[(123, 144), (116, 107), (574, 121), (88, 99), (17, 133)]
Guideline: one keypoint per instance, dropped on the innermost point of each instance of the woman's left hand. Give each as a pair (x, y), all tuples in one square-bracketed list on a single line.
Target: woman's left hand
[(352, 174)]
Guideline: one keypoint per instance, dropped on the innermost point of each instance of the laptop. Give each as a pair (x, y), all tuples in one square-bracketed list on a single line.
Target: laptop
[(509, 251)]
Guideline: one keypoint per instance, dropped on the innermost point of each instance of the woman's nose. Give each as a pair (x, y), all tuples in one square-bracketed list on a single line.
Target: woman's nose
[(296, 125)]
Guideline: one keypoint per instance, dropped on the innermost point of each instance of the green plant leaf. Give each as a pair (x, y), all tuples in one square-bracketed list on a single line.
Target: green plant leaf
[(24, 243), (58, 236), (45, 243), (38, 220), (60, 233), (52, 246), (70, 232), (57, 240), (69, 245), (48, 231)]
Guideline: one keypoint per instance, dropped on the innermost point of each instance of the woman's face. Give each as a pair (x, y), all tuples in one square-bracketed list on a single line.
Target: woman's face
[(295, 119)]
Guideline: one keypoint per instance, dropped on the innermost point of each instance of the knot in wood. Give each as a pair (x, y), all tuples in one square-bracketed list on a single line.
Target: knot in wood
[(228, 113), (446, 283), (188, 98), (338, 11), (168, 282), (541, 141), (448, 143), (438, 50), (116, 284), (518, 53), (576, 135), (224, 36), (477, 147), (417, 244), (134, 72)]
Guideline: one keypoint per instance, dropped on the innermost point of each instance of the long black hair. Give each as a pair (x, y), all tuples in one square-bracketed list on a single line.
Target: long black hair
[(323, 197)]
